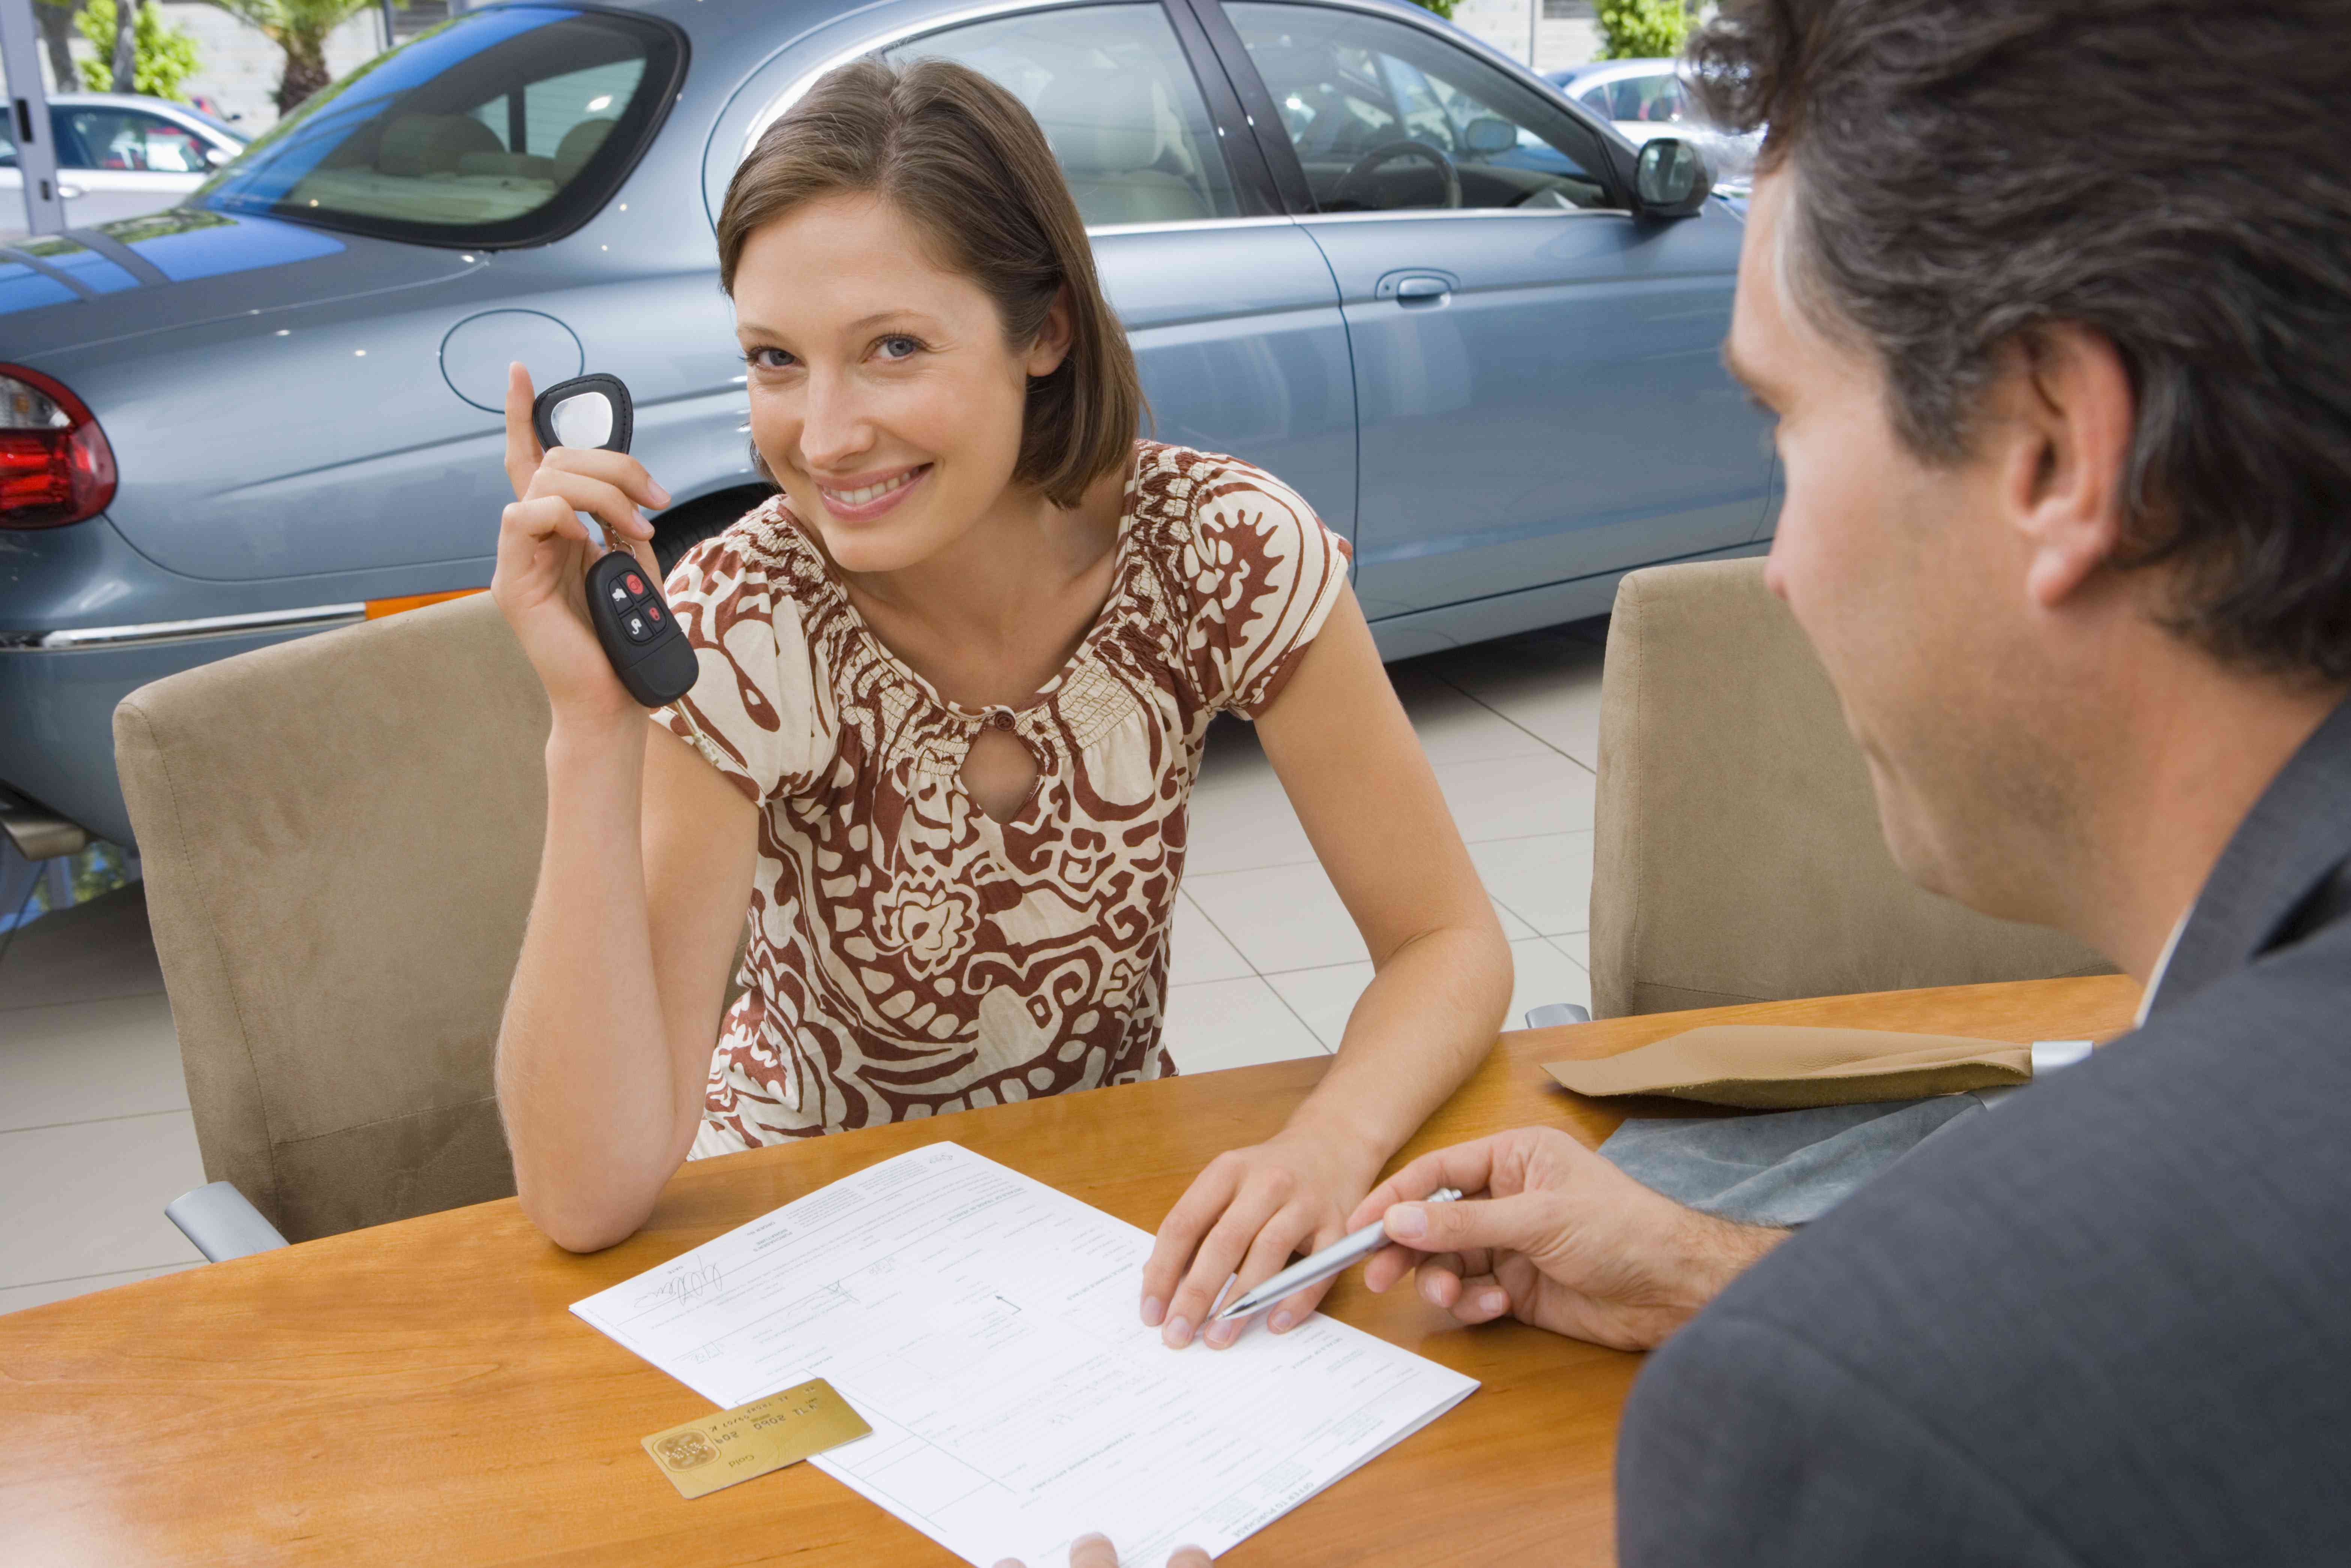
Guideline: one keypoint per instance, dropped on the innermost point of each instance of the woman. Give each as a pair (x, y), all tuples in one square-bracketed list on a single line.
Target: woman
[(955, 682)]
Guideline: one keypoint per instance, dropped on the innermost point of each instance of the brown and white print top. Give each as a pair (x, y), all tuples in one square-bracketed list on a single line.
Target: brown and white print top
[(908, 954)]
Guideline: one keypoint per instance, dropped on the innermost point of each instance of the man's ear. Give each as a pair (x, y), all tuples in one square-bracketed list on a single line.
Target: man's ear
[(1053, 339), (2072, 414)]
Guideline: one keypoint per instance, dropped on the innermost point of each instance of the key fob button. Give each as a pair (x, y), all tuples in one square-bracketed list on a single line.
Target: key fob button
[(638, 630), (636, 584), (620, 596), (654, 614)]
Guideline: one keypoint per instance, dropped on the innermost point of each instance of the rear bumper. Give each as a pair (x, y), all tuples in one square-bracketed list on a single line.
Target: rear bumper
[(57, 716)]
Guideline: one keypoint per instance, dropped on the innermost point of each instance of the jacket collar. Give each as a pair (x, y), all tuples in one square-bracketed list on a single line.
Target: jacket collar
[(2294, 840)]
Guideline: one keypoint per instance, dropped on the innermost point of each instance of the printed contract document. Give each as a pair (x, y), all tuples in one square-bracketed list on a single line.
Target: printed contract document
[(985, 1325)]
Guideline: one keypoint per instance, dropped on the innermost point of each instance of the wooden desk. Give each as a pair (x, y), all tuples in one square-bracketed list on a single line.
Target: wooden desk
[(420, 1394)]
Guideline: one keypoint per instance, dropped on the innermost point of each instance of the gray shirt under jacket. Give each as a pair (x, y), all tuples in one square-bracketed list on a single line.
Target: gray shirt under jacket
[(2109, 1324)]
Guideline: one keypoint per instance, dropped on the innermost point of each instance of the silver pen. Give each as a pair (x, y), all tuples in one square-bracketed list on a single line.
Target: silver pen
[(1336, 1258)]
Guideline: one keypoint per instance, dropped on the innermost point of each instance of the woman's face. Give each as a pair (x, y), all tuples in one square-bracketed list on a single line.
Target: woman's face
[(884, 395)]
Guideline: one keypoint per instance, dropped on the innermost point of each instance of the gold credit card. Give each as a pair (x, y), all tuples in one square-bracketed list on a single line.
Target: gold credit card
[(701, 1457)]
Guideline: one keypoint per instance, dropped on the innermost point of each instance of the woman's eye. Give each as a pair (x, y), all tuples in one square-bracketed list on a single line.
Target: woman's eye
[(769, 359), (897, 347)]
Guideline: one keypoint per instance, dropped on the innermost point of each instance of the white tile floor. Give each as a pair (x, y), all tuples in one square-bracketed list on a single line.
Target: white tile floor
[(95, 1135)]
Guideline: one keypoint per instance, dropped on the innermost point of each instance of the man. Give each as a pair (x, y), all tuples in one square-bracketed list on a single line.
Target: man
[(2052, 301)]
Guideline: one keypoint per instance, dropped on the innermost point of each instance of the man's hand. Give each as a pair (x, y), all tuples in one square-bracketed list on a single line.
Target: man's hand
[(1244, 1215), (1555, 1236), (1096, 1551)]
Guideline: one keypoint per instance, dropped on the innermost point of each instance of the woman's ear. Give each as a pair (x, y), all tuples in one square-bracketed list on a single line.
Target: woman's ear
[(1051, 344)]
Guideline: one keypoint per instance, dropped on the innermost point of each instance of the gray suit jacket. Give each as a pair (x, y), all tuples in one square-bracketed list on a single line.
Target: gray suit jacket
[(2108, 1323)]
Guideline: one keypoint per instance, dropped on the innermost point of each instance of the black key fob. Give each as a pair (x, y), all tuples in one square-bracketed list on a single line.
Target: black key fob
[(625, 605)]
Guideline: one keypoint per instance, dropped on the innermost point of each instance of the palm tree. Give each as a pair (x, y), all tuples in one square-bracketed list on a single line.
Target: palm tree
[(300, 28)]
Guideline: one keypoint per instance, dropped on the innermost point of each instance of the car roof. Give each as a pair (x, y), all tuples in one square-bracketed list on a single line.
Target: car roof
[(1614, 70), (140, 100)]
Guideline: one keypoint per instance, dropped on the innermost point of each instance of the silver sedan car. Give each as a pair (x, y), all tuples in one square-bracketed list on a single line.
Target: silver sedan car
[(1349, 242), (120, 155)]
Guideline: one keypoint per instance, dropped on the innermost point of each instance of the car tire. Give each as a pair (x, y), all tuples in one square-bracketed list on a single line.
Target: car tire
[(686, 525)]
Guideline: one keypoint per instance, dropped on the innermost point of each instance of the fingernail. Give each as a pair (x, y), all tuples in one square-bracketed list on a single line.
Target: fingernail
[(661, 496), (1221, 1333), (1153, 1312), (1407, 1220), (1091, 1535), (1493, 1301), (1011, 1563), (1179, 1332), (1429, 1291), (1280, 1320)]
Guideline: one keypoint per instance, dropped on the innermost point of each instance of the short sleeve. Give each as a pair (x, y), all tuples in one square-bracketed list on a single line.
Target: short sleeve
[(1264, 572), (761, 711)]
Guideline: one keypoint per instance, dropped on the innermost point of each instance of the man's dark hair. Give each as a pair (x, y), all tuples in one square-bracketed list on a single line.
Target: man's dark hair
[(2175, 174)]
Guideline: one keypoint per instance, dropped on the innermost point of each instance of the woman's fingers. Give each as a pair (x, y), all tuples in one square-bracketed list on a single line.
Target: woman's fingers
[(606, 502), (522, 442), (1221, 1252), (618, 469), (1287, 1232), (1180, 1234)]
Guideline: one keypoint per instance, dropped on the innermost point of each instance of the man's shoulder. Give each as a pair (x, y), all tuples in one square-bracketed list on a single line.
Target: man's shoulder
[(2115, 1302)]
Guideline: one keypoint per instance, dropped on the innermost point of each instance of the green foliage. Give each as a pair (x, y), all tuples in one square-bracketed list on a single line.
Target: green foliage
[(300, 28), (1642, 29), (162, 57), (1442, 7)]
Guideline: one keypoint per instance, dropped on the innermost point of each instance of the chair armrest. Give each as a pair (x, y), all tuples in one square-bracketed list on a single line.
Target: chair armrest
[(1551, 1015), (222, 1223)]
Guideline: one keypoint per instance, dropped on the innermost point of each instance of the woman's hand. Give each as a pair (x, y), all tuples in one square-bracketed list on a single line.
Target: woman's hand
[(1555, 1236), (544, 553), (1245, 1215)]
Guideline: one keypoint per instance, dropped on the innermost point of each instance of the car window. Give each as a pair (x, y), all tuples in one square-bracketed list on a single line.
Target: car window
[(1655, 100), (1379, 111), (505, 126), (126, 140), (1109, 86)]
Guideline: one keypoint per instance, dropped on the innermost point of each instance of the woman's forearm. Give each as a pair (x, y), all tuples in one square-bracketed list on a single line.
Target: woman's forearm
[(1424, 1024), (585, 1075)]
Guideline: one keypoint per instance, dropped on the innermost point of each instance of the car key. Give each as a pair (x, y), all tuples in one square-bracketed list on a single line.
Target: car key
[(632, 621)]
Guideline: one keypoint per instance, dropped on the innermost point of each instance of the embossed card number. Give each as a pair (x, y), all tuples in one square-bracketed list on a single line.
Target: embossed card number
[(702, 1457)]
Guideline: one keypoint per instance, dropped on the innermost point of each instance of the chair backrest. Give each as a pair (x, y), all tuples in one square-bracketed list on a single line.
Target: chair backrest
[(1738, 856), (340, 836)]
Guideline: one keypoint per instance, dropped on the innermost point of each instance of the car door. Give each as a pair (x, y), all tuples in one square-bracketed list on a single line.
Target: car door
[(1538, 382), (1230, 309)]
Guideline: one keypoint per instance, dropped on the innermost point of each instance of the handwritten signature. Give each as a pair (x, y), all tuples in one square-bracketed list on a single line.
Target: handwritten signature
[(680, 1289)]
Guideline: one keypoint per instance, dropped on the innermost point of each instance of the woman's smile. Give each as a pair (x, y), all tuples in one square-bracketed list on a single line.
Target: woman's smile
[(872, 493)]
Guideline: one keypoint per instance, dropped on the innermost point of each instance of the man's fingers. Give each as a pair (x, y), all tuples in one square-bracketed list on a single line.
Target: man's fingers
[(1518, 1224), (522, 442), (1478, 1298), (1093, 1550), (1469, 1166), (1188, 1557)]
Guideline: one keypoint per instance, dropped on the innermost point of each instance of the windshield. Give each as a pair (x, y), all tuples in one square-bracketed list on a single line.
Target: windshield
[(509, 126)]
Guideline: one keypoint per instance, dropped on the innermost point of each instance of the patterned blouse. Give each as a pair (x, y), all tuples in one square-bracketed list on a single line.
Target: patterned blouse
[(908, 955)]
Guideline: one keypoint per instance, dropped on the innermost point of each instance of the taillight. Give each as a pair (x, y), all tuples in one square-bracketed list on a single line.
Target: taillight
[(55, 464)]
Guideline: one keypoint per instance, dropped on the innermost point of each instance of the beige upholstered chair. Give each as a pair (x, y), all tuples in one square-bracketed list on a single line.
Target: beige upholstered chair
[(1738, 856), (340, 836)]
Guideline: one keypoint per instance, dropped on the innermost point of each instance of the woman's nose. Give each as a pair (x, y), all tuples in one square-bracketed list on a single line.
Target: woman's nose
[(833, 429)]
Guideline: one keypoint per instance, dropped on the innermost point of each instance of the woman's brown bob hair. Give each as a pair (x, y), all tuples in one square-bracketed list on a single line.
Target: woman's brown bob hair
[(964, 159)]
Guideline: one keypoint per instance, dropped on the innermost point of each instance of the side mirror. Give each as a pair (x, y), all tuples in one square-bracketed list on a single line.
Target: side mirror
[(1488, 135), (1670, 179), (214, 157)]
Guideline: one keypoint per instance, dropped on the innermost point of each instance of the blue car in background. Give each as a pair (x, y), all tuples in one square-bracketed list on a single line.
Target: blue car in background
[(1351, 244)]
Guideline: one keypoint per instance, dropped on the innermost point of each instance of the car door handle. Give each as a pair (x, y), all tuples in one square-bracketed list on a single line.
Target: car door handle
[(1417, 289), (68, 193)]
